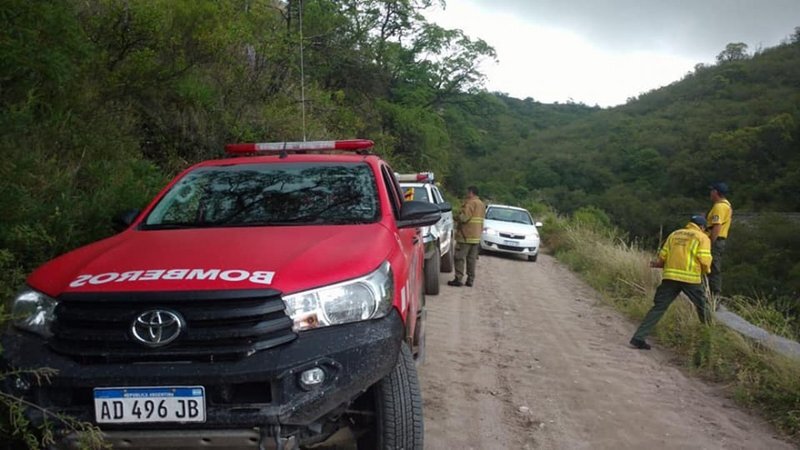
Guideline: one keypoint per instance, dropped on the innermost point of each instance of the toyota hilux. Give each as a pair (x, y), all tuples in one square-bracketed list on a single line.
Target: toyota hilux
[(273, 299)]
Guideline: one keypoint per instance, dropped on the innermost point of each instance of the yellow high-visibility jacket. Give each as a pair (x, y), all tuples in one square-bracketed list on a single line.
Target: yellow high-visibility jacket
[(686, 255), (721, 214), (470, 221)]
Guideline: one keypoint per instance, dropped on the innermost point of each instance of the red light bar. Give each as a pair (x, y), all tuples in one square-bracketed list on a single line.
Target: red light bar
[(277, 147), (420, 177)]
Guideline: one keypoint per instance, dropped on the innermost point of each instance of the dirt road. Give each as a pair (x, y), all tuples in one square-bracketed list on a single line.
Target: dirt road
[(529, 358)]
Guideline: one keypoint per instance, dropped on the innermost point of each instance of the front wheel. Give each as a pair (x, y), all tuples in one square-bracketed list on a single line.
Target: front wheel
[(398, 408), (532, 258), (432, 274)]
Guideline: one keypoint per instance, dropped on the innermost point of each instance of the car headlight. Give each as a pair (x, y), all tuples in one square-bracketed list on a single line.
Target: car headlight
[(364, 298), (490, 231), (33, 311)]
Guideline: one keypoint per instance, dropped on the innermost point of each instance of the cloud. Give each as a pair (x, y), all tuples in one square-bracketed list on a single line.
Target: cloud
[(604, 52), (694, 28)]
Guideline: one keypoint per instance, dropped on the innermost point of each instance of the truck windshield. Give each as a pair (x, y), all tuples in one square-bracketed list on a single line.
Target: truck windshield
[(269, 194)]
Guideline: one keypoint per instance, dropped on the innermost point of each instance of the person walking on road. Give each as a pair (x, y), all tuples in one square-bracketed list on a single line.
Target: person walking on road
[(719, 223), (468, 237), (685, 257)]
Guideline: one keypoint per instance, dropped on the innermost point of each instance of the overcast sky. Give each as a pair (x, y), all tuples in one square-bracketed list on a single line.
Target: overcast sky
[(605, 51)]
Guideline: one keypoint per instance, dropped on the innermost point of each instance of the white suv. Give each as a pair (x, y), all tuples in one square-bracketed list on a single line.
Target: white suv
[(510, 229), (439, 238)]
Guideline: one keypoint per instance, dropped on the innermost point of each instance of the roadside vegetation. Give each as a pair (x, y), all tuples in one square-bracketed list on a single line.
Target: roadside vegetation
[(102, 101), (755, 376)]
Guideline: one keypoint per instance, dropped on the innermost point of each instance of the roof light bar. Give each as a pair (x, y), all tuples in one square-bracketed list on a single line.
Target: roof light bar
[(421, 177), (278, 147)]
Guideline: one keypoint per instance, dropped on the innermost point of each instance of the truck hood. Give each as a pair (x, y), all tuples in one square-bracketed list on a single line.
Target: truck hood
[(289, 259)]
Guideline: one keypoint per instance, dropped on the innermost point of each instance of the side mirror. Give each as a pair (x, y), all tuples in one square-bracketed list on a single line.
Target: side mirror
[(415, 213), (123, 220), (538, 224), (445, 207)]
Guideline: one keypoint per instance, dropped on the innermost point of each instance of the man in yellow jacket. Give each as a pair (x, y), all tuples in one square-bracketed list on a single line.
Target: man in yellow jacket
[(468, 237), (719, 223), (685, 258)]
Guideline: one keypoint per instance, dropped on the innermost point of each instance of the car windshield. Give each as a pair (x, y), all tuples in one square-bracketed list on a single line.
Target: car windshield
[(269, 194), (415, 193), (509, 215)]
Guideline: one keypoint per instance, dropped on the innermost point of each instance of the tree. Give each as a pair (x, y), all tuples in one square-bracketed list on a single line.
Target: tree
[(734, 51)]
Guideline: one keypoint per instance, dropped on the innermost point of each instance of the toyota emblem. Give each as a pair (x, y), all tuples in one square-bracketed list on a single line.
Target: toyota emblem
[(157, 327)]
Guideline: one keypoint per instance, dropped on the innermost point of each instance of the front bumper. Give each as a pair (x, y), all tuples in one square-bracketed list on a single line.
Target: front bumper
[(260, 390), (496, 243)]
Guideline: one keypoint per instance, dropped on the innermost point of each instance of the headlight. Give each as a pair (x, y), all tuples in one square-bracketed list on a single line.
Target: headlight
[(33, 311), (490, 231), (368, 297)]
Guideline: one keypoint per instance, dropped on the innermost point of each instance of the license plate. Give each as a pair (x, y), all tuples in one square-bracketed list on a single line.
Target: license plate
[(512, 243), (150, 404)]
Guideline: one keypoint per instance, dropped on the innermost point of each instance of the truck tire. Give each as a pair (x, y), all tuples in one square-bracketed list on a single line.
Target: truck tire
[(447, 259), (398, 408), (532, 258), (432, 274)]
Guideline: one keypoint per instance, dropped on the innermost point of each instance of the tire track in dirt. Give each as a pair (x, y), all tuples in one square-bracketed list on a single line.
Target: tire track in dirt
[(533, 335)]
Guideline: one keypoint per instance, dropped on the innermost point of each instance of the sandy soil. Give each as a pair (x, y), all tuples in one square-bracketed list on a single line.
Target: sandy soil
[(529, 358)]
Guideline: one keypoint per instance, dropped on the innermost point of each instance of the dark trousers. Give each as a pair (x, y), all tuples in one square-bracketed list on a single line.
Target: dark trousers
[(465, 253), (715, 277), (666, 293)]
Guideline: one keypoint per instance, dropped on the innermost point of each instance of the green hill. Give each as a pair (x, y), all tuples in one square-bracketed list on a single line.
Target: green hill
[(648, 163)]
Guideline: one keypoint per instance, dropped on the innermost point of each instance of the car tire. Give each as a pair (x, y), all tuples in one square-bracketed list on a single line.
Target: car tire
[(448, 258), (432, 274), (398, 408), (532, 258)]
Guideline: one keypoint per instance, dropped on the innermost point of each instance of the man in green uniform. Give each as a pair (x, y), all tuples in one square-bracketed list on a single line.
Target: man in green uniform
[(468, 237), (719, 222), (685, 258)]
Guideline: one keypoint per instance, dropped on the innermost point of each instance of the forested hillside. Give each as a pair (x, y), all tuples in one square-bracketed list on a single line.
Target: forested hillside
[(101, 101), (648, 164)]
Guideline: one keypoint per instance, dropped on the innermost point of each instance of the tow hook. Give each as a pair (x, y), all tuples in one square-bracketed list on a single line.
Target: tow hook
[(280, 443)]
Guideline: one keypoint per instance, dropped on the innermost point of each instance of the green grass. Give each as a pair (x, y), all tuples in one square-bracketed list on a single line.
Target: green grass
[(756, 377)]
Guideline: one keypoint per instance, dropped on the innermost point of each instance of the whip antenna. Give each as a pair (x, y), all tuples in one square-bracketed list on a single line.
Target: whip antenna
[(302, 75)]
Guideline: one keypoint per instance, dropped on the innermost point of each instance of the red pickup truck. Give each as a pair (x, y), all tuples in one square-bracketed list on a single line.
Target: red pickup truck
[(271, 299)]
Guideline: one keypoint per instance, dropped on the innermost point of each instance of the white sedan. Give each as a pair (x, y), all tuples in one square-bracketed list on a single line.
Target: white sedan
[(509, 229)]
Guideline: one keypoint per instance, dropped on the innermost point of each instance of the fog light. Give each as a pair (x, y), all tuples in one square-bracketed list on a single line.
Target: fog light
[(312, 378), (21, 384)]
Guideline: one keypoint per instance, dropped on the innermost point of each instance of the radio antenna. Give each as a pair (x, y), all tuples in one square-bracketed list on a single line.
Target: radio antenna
[(302, 74)]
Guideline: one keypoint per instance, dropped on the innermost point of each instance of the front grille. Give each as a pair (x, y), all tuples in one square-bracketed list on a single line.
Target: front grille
[(511, 248), (512, 236), (219, 325)]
